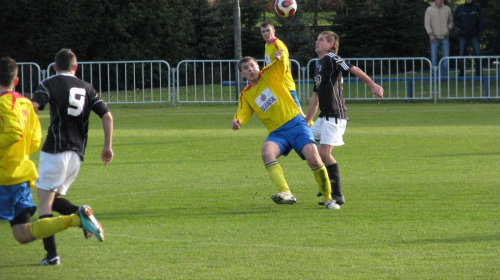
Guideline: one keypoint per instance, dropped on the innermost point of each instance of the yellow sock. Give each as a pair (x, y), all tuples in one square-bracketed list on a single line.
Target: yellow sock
[(277, 177), (321, 176), (49, 226)]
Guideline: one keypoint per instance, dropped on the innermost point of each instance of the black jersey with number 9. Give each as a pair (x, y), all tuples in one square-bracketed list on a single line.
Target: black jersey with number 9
[(71, 100)]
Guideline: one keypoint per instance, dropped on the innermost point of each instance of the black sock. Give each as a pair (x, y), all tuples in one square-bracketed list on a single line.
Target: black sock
[(49, 243), (64, 206), (334, 174)]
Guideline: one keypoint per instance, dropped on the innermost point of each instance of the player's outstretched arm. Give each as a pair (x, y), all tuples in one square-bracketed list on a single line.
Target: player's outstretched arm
[(376, 89)]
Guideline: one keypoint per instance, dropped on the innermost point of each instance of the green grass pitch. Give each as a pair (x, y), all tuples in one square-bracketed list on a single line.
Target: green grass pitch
[(186, 197)]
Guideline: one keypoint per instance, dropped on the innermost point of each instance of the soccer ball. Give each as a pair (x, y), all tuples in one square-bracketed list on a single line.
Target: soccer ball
[(285, 8)]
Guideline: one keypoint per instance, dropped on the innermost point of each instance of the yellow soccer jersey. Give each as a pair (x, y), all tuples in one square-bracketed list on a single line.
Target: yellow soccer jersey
[(20, 136), (269, 99), (277, 44)]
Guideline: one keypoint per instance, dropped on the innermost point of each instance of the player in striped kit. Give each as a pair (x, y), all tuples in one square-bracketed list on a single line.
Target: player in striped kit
[(327, 95)]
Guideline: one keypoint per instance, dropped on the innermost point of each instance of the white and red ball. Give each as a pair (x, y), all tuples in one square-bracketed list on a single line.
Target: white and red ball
[(285, 8)]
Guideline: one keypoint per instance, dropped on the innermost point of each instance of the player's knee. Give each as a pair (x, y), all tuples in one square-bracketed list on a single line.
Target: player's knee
[(22, 235), (22, 240), (325, 155)]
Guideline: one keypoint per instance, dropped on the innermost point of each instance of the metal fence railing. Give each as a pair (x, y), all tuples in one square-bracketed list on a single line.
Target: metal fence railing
[(214, 81), (401, 78), (30, 75), (474, 77), (143, 81), (219, 81)]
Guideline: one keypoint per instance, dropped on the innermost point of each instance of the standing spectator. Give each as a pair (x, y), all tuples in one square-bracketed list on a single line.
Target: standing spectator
[(328, 95), (71, 102), (468, 17), (438, 23), (273, 44), (20, 136)]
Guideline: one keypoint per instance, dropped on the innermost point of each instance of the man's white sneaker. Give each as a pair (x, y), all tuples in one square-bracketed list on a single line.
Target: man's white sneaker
[(54, 261), (283, 198), (331, 204)]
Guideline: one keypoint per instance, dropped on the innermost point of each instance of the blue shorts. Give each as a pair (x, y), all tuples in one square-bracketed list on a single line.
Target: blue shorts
[(295, 134), (14, 199)]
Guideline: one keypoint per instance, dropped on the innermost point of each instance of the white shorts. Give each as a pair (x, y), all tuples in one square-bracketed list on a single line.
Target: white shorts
[(57, 171), (329, 132)]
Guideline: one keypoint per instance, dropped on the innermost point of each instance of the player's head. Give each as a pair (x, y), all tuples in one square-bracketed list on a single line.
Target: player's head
[(249, 68), (245, 60), (267, 31), (331, 38), (8, 72), (65, 60)]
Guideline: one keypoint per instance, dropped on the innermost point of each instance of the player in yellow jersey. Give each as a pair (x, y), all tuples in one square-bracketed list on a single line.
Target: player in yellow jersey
[(20, 136), (273, 44), (268, 97)]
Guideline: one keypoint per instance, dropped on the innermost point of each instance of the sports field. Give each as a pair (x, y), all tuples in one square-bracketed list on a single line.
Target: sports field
[(186, 197)]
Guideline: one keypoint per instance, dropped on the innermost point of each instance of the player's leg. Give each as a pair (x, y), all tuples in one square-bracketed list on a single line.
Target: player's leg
[(270, 152), (56, 173), (45, 200), (313, 159), (333, 171), (20, 227), (332, 133), (320, 175), (17, 207), (63, 206), (25, 232)]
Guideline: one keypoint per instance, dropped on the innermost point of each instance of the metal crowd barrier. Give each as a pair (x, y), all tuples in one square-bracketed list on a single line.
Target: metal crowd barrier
[(219, 81), (143, 81), (464, 81)]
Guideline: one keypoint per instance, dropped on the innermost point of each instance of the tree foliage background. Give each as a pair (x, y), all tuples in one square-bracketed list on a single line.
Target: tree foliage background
[(173, 30)]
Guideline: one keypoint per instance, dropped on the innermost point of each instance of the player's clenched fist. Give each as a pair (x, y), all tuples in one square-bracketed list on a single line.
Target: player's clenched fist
[(235, 125)]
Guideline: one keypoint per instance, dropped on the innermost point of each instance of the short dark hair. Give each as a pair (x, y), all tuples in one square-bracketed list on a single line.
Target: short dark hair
[(8, 71), (245, 60), (65, 59), (267, 23)]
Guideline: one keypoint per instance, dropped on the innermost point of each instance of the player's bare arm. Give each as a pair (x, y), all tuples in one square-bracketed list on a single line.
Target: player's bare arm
[(107, 150), (376, 89), (313, 108)]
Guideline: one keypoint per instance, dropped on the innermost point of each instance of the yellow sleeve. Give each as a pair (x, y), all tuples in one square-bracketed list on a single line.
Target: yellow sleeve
[(10, 128), (36, 139), (285, 57), (245, 111)]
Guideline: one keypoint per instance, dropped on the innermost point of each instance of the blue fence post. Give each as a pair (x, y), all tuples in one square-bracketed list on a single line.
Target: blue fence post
[(409, 88)]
